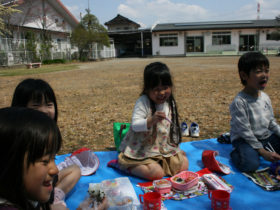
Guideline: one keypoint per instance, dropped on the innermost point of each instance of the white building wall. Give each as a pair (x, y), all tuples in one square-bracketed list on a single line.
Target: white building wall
[(168, 50), (32, 16), (155, 44), (235, 40), (267, 44), (231, 49), (207, 40)]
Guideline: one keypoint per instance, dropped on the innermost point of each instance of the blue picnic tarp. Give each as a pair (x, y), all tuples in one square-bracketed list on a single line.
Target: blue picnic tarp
[(245, 195)]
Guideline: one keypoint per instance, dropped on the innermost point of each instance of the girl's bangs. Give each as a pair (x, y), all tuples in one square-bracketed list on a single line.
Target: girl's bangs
[(38, 96), (161, 79), (47, 142), (165, 79)]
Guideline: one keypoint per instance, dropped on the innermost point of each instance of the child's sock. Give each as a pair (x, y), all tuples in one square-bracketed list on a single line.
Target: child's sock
[(114, 164)]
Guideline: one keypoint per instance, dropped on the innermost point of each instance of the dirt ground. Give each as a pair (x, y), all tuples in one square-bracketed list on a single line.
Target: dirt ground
[(99, 93)]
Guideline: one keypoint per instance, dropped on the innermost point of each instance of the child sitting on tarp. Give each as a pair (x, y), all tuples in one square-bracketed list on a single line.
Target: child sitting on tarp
[(150, 149), (29, 142), (38, 94), (254, 130)]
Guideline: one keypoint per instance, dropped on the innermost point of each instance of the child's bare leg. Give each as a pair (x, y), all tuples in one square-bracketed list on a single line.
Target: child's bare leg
[(150, 171), (68, 177)]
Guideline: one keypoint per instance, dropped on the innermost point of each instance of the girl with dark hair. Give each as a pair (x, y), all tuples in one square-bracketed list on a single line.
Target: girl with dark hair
[(150, 149), (37, 94), (29, 142)]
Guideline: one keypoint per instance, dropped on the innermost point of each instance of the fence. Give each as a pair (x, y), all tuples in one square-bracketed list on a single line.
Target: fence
[(14, 52), (267, 48)]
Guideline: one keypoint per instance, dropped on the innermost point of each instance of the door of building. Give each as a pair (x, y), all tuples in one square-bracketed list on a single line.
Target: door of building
[(194, 44), (248, 43)]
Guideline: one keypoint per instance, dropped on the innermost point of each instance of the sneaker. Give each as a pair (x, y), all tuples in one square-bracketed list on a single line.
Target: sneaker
[(194, 130), (184, 129)]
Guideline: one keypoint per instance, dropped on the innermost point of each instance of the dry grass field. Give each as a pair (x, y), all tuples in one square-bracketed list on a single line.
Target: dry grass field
[(93, 96)]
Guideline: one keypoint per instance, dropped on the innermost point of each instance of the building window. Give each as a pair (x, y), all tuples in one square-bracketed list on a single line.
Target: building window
[(168, 40), (221, 38), (268, 37)]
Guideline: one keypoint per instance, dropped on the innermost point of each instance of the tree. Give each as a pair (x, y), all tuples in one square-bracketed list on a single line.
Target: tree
[(5, 13), (45, 40), (275, 35), (89, 31)]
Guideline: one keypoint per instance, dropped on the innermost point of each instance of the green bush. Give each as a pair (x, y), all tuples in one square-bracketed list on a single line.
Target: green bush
[(54, 61)]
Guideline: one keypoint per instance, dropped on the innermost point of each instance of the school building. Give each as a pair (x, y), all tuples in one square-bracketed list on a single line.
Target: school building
[(214, 38)]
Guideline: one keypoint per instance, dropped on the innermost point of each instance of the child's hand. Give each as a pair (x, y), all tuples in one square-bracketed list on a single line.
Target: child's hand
[(104, 204), (59, 206), (269, 156), (157, 117)]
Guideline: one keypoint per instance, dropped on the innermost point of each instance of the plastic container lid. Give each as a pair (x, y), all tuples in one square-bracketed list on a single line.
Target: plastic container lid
[(162, 183), (110, 187)]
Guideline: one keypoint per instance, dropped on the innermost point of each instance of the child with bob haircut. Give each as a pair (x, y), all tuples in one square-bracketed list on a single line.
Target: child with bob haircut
[(150, 149), (254, 130), (37, 94), (29, 142)]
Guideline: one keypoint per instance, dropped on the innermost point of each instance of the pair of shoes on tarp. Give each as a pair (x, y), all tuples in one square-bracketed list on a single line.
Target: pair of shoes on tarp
[(192, 131)]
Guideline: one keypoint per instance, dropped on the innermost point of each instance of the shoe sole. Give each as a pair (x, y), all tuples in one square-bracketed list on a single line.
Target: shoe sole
[(196, 135), (185, 133)]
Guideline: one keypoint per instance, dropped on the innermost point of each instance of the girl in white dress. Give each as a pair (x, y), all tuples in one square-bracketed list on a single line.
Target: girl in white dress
[(150, 149)]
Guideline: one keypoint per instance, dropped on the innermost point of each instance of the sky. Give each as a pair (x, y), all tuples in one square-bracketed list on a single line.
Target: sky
[(148, 13)]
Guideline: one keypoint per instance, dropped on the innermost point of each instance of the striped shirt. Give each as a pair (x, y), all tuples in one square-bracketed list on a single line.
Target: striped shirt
[(252, 119)]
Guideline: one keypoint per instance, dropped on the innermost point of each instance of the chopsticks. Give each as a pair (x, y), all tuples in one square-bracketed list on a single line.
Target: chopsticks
[(270, 148)]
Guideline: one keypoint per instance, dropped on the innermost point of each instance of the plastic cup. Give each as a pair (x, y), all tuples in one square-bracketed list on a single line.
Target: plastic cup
[(219, 199), (152, 201)]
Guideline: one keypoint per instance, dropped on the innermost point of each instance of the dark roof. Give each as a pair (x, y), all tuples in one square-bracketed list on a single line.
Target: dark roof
[(137, 31), (215, 25), (121, 20)]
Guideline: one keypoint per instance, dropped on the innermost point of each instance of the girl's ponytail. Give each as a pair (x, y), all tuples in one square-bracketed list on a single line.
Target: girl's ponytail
[(175, 131)]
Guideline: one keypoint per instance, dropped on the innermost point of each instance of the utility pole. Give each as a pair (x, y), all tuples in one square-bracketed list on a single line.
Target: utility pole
[(258, 11)]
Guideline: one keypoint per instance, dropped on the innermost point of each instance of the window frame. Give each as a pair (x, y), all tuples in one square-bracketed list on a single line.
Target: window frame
[(168, 40), (221, 38)]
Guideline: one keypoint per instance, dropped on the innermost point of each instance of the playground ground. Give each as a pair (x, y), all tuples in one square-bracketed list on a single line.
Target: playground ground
[(93, 95)]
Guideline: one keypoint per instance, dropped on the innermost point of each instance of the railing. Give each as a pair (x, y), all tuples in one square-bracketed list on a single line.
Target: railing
[(14, 51), (220, 48)]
